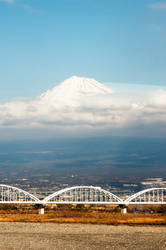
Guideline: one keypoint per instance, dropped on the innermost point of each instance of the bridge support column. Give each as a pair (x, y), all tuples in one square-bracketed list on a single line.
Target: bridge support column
[(123, 209), (41, 210)]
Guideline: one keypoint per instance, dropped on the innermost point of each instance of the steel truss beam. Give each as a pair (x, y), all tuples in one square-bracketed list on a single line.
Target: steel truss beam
[(82, 195)]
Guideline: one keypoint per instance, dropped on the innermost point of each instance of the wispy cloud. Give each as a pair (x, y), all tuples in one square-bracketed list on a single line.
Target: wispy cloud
[(32, 10), (27, 7), (158, 6), (156, 27), (7, 1)]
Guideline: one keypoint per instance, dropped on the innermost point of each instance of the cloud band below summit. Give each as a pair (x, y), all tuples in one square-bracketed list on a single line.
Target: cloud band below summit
[(84, 103)]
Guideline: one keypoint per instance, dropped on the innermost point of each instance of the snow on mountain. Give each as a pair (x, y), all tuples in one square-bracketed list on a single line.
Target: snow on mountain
[(76, 102), (81, 103), (78, 85), (72, 91)]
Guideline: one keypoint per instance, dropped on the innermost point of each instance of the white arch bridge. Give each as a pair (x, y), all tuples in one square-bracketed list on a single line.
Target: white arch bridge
[(81, 195)]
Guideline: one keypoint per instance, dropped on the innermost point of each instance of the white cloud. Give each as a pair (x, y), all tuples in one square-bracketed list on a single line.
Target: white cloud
[(58, 109), (31, 9), (7, 1), (158, 99), (27, 7), (158, 6), (156, 27)]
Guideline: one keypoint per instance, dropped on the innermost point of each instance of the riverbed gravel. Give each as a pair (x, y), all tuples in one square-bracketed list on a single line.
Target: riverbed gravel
[(48, 236)]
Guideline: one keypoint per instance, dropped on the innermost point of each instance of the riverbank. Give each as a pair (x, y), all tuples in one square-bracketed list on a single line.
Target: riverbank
[(50, 236)]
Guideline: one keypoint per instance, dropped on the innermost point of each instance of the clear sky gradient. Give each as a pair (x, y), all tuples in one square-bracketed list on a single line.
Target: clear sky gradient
[(44, 42)]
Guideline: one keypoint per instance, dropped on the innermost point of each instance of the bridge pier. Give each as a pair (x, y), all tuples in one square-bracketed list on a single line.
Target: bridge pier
[(123, 208), (41, 210)]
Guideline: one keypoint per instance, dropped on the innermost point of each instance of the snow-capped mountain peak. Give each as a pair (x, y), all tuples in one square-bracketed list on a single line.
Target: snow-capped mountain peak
[(73, 89), (84, 86)]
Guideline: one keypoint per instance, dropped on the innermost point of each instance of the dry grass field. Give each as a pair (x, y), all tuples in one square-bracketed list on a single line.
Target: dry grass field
[(67, 214)]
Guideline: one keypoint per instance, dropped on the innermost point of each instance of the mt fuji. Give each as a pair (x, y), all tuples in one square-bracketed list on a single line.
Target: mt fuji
[(73, 91), (76, 102), (82, 103)]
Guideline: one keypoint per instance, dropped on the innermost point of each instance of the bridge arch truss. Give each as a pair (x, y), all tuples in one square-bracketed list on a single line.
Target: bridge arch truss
[(148, 196), (83, 195), (9, 194)]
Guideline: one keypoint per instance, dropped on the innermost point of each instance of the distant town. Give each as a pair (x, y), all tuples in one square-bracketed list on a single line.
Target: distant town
[(122, 166), (45, 186)]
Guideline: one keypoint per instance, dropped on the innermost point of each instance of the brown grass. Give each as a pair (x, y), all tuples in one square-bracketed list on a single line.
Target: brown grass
[(76, 216)]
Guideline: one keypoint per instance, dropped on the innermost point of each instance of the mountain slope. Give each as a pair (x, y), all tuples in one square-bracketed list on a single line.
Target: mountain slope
[(72, 90)]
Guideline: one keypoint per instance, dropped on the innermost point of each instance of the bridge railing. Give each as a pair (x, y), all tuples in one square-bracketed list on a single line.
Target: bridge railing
[(82, 195), (148, 196)]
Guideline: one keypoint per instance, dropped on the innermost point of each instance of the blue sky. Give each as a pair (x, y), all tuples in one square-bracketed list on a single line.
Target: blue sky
[(121, 43), (45, 42)]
